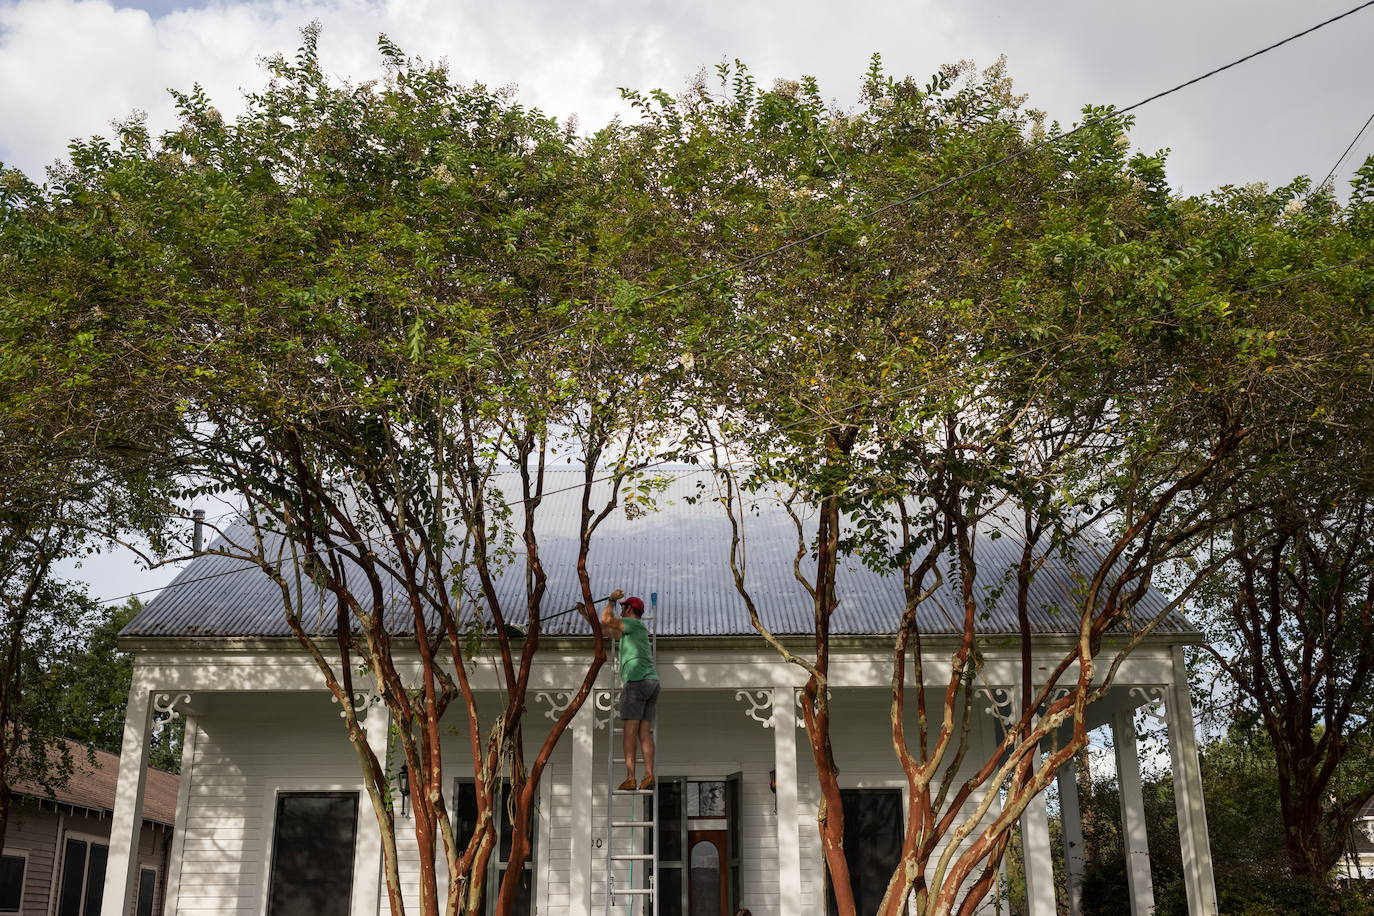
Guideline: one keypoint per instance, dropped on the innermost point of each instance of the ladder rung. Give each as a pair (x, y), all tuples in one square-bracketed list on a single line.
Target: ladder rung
[(636, 857), (632, 823), (634, 791), (634, 892)]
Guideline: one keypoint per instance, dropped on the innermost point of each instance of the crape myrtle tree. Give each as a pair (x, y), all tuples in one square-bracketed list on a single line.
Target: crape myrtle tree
[(1016, 356), (1291, 616), (457, 320), (394, 304), (82, 430)]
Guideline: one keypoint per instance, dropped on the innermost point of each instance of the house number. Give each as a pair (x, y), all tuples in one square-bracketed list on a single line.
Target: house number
[(596, 842)]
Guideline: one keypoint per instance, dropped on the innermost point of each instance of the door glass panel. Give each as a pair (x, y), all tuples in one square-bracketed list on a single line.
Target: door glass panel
[(670, 824), (95, 879), (73, 877), (669, 890), (523, 892), (312, 854), (464, 812), (706, 799), (705, 878)]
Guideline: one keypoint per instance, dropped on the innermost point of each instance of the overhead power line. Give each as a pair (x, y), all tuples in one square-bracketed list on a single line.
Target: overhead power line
[(1353, 141), (832, 413), (996, 163)]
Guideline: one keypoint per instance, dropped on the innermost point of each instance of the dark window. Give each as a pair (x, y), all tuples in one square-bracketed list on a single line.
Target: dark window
[(312, 854), (872, 844), (508, 827), (465, 824), (95, 879), (464, 812), (670, 886), (11, 883), (671, 814), (73, 877), (670, 889), (83, 877), (147, 890)]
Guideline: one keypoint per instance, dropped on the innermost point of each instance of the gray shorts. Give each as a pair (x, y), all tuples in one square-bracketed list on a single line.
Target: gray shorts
[(639, 700)]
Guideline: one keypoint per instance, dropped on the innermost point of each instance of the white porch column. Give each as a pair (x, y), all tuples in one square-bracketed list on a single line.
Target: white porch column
[(1192, 815), (1133, 837), (1070, 814), (580, 874), (1037, 857), (171, 884), (128, 808), (369, 893), (784, 725)]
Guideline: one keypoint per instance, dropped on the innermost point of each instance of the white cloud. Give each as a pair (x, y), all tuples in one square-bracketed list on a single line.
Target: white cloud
[(70, 67)]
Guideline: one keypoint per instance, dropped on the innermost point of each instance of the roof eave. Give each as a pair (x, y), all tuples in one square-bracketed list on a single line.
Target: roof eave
[(237, 644)]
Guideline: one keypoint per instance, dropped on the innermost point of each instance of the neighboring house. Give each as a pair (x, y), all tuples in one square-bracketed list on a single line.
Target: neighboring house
[(1358, 861), (271, 820), (56, 846)]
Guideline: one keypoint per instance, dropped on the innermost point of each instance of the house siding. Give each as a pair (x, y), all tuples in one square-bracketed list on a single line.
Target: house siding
[(243, 753), (249, 747)]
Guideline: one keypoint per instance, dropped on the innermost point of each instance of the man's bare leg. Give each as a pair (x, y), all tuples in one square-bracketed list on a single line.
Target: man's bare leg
[(631, 741), (646, 747)]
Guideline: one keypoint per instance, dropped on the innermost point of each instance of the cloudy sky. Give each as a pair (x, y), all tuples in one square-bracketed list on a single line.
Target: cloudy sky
[(70, 67)]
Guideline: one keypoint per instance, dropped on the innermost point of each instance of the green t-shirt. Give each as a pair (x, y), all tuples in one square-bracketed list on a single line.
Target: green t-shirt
[(636, 658)]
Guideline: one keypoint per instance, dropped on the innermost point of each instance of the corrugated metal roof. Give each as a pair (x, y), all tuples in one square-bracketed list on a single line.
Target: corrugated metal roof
[(679, 550)]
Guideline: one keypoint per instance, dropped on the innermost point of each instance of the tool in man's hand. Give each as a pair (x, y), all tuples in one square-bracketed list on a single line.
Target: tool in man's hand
[(517, 630)]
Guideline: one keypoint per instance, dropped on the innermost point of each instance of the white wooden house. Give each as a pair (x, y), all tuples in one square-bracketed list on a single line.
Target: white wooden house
[(271, 791)]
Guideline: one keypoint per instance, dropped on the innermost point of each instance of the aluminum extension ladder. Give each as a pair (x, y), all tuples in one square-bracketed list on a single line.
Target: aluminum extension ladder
[(639, 828)]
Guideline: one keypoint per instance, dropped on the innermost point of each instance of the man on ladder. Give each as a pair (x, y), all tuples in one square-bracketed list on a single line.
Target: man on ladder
[(639, 697)]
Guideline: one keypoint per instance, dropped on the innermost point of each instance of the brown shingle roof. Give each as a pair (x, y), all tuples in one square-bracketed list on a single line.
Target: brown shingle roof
[(93, 787)]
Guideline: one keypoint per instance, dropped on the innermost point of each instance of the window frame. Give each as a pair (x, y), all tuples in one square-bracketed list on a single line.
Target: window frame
[(867, 786), (90, 839), (314, 793), (157, 875), (23, 874), (363, 838)]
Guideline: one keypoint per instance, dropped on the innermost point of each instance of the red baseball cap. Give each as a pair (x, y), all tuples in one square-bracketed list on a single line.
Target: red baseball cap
[(636, 603)]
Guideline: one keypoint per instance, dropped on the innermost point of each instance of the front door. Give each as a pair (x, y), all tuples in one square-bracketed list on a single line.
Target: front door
[(699, 846), (708, 890)]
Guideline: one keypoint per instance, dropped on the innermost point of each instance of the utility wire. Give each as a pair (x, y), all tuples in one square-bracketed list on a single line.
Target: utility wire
[(1354, 140), (932, 189), (832, 413)]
